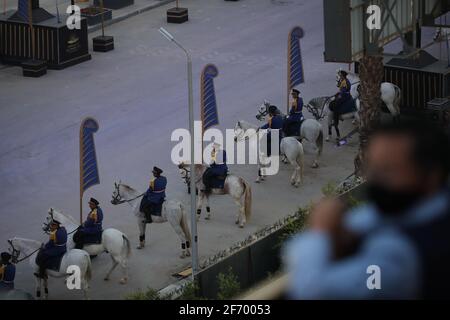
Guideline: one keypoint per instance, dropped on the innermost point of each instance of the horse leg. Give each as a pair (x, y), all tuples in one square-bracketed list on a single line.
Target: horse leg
[(200, 204), (208, 209), (298, 176), (46, 289), (38, 287), (259, 179), (114, 265), (85, 286), (315, 163), (338, 132), (176, 221), (240, 216), (330, 126), (124, 266), (142, 227)]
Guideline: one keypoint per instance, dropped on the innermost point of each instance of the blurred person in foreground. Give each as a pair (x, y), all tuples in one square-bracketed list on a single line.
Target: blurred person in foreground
[(403, 230)]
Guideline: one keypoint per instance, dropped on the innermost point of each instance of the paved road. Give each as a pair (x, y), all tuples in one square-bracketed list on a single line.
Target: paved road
[(138, 94)]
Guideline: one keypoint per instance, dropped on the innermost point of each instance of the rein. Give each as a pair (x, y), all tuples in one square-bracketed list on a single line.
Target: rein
[(16, 253), (128, 201), (187, 177)]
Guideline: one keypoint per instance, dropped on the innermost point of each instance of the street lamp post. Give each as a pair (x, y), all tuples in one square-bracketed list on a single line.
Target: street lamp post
[(169, 37)]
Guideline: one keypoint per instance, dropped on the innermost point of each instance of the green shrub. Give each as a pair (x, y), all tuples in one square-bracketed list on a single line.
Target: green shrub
[(295, 224), (149, 294), (229, 286), (191, 291)]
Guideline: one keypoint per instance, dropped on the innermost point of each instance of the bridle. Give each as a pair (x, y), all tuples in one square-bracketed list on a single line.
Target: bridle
[(262, 114), (46, 226), (15, 253), (187, 174), (118, 199)]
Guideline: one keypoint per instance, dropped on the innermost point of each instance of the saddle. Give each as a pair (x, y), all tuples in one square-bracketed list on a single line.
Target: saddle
[(93, 239), (218, 182), (293, 131), (151, 209), (341, 108)]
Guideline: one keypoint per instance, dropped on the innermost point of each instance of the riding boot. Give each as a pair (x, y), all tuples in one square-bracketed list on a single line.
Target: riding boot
[(148, 216), (41, 274)]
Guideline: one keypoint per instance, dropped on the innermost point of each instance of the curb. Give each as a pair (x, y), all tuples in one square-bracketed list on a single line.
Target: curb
[(128, 15), (174, 290)]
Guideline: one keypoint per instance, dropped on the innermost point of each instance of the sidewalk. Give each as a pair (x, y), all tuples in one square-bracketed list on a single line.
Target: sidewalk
[(118, 15)]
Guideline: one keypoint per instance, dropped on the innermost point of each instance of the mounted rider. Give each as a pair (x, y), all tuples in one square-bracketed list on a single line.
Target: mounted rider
[(275, 122), (218, 168), (50, 254), (7, 272), (91, 230), (343, 97), (295, 118), (153, 199)]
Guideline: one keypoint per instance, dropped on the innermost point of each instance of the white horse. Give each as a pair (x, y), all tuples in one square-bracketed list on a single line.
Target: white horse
[(319, 107), (235, 186), (29, 250), (391, 95), (290, 147), (311, 131), (172, 212), (114, 242)]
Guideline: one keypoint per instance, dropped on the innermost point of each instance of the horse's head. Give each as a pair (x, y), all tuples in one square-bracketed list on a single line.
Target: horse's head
[(18, 246), (263, 111), (184, 171), (14, 250), (55, 215), (123, 193), (117, 196), (244, 131)]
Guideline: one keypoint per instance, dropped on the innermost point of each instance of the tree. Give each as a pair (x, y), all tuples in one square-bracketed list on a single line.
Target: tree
[(371, 75)]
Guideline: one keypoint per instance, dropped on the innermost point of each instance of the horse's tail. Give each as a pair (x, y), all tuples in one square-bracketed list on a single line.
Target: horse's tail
[(127, 249), (184, 224), (247, 199), (319, 142), (88, 274)]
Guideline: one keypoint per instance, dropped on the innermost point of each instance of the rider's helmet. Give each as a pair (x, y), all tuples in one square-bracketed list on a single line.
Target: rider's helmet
[(273, 110), (5, 256)]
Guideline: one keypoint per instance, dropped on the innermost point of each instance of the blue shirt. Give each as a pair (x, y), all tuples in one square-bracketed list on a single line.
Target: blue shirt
[(93, 223), (156, 192), (7, 275), (275, 123), (315, 275), (219, 166), (57, 242), (296, 112), (344, 90)]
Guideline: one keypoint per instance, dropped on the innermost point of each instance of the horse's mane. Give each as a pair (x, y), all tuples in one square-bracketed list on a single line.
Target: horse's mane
[(66, 216), (250, 125), (28, 243)]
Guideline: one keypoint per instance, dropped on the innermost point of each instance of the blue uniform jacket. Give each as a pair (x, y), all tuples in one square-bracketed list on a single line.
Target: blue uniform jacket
[(57, 244), (344, 90), (7, 275), (275, 123), (220, 168), (296, 112), (156, 192), (93, 223)]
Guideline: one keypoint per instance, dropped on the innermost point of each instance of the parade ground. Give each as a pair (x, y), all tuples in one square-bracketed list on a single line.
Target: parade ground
[(138, 94)]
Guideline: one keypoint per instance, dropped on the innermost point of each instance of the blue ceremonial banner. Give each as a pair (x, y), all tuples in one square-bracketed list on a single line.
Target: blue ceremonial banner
[(22, 9), (88, 159), (209, 114), (295, 64)]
